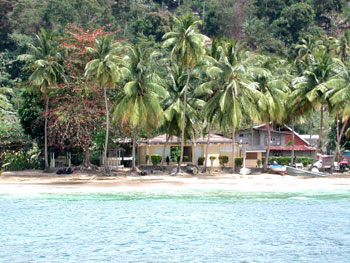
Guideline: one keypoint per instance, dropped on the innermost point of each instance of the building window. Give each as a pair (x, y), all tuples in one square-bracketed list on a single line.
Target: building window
[(252, 156), (241, 135), (274, 140)]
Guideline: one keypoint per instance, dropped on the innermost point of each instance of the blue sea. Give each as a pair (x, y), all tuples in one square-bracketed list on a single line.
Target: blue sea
[(173, 226)]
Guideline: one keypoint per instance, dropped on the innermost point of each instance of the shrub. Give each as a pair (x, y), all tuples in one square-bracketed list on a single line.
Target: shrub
[(212, 159), (12, 161), (304, 160), (156, 158), (223, 159), (201, 160), (258, 162), (286, 160), (147, 158), (238, 161)]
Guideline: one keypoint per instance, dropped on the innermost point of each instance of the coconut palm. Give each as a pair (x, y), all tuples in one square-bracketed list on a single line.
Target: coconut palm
[(311, 89), (339, 95), (209, 88), (173, 105), (139, 104), (236, 95), (274, 88), (306, 49), (343, 46), (106, 69), (187, 49), (48, 71)]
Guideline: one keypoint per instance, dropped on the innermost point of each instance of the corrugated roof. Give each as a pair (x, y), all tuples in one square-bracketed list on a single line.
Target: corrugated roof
[(214, 138), (162, 139), (289, 148)]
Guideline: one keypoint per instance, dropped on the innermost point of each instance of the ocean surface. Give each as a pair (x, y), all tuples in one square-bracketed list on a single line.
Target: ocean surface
[(66, 225)]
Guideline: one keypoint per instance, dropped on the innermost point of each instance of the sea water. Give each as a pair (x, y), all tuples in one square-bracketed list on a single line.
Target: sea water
[(67, 225)]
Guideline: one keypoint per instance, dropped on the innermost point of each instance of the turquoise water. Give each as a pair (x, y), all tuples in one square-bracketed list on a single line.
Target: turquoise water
[(177, 226)]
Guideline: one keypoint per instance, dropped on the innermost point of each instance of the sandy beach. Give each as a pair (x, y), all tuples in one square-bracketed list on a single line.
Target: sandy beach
[(217, 181)]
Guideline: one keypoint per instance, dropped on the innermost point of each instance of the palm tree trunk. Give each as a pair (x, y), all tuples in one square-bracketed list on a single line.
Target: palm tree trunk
[(107, 132), (310, 130), (86, 161), (164, 148), (133, 168), (293, 143), (268, 146), (45, 132), (339, 136), (319, 141), (167, 137), (207, 148), (184, 119), (233, 148)]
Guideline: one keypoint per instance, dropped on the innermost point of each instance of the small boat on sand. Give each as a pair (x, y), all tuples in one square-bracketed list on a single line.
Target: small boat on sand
[(277, 168)]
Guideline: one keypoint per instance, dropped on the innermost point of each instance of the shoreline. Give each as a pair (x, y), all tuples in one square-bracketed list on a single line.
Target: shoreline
[(126, 182)]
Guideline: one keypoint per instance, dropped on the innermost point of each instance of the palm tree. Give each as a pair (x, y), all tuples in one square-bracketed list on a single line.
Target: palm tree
[(236, 95), (48, 71), (139, 104), (187, 49), (274, 90), (311, 89), (339, 95), (106, 69), (343, 46), (173, 104), (209, 87)]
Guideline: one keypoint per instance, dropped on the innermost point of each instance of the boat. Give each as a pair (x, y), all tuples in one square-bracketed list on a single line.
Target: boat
[(300, 172), (277, 168)]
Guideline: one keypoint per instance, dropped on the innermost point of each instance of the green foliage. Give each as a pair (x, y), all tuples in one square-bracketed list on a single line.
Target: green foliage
[(258, 162), (12, 161), (29, 15), (156, 159), (201, 160), (285, 160), (175, 153), (152, 26), (212, 159), (147, 158), (223, 159), (238, 161)]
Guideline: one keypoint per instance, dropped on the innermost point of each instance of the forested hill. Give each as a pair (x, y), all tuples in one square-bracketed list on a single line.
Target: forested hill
[(265, 24)]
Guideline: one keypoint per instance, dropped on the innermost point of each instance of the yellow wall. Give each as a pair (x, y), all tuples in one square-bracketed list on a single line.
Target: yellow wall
[(214, 150)]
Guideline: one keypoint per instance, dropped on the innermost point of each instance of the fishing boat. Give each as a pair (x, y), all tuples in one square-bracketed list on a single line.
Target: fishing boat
[(277, 168)]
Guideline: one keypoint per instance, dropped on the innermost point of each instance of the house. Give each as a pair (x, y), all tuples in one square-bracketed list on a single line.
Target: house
[(281, 140), (193, 150)]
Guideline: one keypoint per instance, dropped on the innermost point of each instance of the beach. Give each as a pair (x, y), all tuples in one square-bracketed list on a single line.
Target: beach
[(218, 181)]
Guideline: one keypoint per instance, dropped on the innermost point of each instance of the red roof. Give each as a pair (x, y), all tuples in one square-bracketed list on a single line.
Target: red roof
[(289, 148)]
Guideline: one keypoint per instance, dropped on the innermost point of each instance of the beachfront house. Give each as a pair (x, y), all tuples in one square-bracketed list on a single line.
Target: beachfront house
[(281, 140), (194, 150)]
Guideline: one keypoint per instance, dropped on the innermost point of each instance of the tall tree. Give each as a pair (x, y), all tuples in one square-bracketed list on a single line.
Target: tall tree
[(106, 70), (187, 49), (139, 104), (274, 90), (48, 72), (237, 95), (311, 89), (338, 95)]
